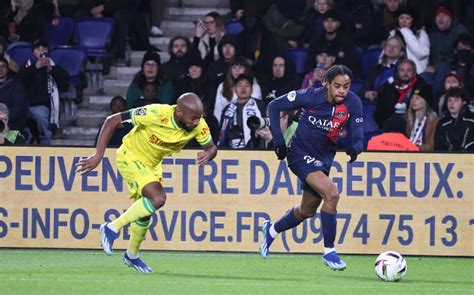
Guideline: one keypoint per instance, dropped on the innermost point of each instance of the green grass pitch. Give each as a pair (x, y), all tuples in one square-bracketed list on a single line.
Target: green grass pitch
[(92, 272)]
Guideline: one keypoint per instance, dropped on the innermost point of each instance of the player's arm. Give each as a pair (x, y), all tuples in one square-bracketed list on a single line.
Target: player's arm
[(290, 101), (356, 129), (112, 122), (208, 153), (204, 138)]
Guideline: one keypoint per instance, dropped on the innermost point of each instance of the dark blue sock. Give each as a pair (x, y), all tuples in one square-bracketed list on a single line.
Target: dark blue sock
[(287, 221), (329, 225)]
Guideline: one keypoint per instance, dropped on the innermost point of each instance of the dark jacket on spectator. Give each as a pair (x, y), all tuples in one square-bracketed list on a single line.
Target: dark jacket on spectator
[(176, 68), (251, 7), (387, 97), (441, 42), (275, 87), (455, 135), (361, 13), (13, 95), (378, 75), (342, 44), (36, 82)]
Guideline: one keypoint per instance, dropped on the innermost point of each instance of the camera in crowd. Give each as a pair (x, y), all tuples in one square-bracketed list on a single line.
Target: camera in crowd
[(255, 122), (44, 54), (2, 126)]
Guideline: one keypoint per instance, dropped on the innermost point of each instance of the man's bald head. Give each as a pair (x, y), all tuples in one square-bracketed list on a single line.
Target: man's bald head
[(190, 101), (189, 111)]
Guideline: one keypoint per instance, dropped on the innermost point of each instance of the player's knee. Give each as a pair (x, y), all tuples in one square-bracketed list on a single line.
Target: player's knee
[(332, 196), (158, 200)]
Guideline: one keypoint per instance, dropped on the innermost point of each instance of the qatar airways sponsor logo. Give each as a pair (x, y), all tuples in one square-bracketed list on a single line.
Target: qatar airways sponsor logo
[(323, 123)]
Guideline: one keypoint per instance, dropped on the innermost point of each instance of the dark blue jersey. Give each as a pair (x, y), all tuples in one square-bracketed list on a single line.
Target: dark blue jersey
[(320, 122)]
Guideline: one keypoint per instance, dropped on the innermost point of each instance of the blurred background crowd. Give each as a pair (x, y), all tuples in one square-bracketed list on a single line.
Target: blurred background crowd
[(411, 60)]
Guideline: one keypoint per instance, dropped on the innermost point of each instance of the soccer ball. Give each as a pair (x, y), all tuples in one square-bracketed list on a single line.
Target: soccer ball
[(390, 266)]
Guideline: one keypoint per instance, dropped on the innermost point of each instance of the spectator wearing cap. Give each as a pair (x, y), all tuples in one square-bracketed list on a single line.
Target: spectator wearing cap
[(150, 72), (442, 36), (180, 51), (234, 131), (226, 90), (43, 81), (415, 38), (452, 79), (325, 58), (13, 95), (385, 70), (421, 119), (228, 48), (282, 79), (336, 39), (455, 132), (393, 97), (3, 53), (462, 62)]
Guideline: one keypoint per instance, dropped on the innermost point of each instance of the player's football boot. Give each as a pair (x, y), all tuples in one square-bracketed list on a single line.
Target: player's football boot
[(107, 238), (136, 263), (267, 239), (333, 261)]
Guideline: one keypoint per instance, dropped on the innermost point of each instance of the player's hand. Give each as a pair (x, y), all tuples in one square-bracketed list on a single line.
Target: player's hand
[(281, 151), (352, 153), (202, 158), (87, 164)]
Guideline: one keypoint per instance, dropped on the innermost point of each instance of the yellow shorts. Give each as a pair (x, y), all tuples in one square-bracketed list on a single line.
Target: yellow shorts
[(135, 173)]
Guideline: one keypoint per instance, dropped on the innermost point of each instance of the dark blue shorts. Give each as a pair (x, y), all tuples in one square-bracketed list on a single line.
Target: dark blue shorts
[(302, 165)]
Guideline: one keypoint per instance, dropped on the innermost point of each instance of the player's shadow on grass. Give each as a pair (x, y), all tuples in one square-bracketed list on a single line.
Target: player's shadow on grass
[(221, 277), (375, 279)]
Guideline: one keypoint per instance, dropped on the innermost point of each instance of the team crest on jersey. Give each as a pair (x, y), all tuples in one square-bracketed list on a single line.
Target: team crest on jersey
[(341, 114), (318, 163), (140, 112), (164, 120), (291, 95)]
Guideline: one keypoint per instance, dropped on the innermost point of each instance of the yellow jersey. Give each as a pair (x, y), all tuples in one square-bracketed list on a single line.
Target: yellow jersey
[(156, 134)]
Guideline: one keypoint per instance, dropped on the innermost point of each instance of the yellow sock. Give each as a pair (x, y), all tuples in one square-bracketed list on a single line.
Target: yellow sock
[(138, 231), (141, 208)]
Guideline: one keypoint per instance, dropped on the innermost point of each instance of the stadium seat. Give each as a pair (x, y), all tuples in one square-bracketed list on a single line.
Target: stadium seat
[(73, 60), (93, 34), (370, 125), (298, 57), (20, 52), (58, 31), (234, 27), (356, 85), (370, 58)]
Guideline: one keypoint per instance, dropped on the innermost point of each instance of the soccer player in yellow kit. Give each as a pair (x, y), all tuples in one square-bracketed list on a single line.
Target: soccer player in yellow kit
[(159, 131)]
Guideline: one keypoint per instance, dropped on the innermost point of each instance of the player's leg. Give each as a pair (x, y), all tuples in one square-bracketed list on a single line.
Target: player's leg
[(321, 183), (292, 218), (138, 230), (144, 188)]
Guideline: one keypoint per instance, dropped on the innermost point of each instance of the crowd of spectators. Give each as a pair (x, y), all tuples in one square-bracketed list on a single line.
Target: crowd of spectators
[(422, 85)]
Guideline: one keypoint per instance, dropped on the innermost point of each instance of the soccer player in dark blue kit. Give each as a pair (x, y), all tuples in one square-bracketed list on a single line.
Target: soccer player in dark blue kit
[(310, 153)]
